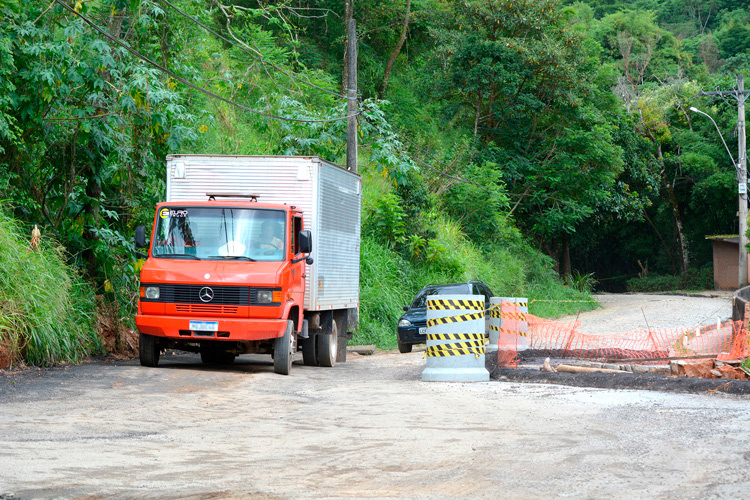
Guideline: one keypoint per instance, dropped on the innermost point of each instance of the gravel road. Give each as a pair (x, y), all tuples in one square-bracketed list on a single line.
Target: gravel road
[(623, 312), (368, 428)]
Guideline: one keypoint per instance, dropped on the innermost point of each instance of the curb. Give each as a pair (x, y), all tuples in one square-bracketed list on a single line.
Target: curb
[(634, 381)]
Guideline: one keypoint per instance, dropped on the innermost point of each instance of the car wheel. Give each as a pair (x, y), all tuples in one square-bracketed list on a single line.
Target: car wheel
[(404, 348)]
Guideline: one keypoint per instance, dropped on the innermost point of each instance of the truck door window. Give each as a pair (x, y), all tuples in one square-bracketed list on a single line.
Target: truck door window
[(296, 228)]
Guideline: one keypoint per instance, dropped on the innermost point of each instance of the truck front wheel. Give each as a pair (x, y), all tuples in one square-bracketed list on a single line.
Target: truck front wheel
[(283, 349), (328, 346), (148, 350)]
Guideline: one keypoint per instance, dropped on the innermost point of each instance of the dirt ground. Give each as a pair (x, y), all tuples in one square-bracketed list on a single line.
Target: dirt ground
[(368, 428)]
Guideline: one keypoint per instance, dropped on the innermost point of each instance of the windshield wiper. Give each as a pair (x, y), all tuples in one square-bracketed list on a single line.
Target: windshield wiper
[(233, 257), (178, 255)]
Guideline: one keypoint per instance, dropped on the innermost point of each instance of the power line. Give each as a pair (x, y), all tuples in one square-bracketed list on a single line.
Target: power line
[(253, 53), (185, 82)]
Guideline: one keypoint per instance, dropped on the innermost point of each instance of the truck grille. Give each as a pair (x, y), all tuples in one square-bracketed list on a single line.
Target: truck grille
[(205, 309), (190, 294)]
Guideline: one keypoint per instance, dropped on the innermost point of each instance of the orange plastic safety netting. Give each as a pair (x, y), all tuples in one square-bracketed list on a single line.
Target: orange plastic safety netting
[(544, 337)]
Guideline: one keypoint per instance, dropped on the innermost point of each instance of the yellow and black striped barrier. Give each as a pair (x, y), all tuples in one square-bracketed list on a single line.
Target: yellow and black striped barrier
[(455, 339), (447, 305)]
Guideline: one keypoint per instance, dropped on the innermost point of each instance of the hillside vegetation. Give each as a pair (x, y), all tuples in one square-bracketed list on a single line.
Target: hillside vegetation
[(47, 313), (514, 142)]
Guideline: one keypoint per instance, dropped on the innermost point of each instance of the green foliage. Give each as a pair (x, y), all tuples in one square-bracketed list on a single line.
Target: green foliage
[(581, 282), (694, 279), (47, 313), (385, 221)]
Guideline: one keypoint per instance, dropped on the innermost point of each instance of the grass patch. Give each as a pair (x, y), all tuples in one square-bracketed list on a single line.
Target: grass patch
[(47, 313)]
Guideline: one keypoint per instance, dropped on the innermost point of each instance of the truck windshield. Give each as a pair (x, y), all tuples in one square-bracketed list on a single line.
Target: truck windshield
[(219, 233)]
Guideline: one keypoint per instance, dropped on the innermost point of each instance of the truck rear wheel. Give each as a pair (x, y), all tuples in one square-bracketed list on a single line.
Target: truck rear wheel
[(309, 346), (148, 350), (283, 349), (328, 346)]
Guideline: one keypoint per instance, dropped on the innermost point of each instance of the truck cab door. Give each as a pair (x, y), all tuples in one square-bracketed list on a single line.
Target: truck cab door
[(298, 268)]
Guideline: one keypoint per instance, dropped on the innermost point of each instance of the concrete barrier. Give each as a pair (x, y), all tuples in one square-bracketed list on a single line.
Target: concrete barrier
[(739, 299), (455, 339)]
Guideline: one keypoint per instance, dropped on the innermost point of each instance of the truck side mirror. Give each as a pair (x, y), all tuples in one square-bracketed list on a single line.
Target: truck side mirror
[(140, 237), (305, 241)]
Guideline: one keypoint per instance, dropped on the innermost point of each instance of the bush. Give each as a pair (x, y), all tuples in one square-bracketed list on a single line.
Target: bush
[(694, 279), (47, 313)]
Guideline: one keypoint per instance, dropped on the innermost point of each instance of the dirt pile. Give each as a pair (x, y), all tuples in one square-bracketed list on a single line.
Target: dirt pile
[(709, 368), (6, 356)]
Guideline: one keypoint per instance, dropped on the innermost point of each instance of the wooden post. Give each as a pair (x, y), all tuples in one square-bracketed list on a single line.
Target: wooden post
[(351, 99)]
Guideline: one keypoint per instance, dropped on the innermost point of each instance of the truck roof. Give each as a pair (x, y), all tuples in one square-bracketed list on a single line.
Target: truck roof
[(227, 203)]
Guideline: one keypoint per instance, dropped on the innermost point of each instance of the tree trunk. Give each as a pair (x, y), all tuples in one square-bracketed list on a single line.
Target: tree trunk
[(92, 220), (566, 257), (396, 50), (671, 199), (348, 14)]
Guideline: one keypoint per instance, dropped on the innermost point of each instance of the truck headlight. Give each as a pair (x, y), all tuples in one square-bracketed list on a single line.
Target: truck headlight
[(152, 292), (404, 323), (265, 296)]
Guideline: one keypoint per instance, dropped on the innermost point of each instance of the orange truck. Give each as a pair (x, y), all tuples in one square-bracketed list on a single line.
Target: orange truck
[(252, 254)]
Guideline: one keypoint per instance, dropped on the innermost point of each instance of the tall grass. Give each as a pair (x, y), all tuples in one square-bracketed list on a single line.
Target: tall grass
[(47, 313)]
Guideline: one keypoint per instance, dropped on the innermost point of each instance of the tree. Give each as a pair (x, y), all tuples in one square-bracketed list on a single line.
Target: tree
[(525, 79), (89, 125)]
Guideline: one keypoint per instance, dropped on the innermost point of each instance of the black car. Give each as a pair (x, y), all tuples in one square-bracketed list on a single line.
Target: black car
[(413, 324)]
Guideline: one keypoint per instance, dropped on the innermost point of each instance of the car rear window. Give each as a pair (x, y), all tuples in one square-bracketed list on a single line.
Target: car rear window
[(421, 299)]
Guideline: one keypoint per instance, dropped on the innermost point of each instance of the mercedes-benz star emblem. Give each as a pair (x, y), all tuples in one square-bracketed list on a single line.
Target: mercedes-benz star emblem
[(206, 294)]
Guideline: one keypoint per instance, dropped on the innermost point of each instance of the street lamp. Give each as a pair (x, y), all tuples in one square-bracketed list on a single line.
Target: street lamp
[(742, 193)]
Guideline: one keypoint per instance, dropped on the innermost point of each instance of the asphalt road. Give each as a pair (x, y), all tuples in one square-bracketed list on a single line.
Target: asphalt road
[(368, 428)]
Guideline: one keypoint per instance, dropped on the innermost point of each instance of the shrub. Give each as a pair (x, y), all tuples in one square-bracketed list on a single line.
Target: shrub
[(694, 279), (47, 313)]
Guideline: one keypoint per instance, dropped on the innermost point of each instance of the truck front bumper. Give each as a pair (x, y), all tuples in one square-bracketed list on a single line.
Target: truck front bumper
[(178, 327)]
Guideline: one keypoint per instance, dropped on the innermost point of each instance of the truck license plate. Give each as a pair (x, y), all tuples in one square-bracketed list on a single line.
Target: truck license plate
[(422, 330), (204, 326)]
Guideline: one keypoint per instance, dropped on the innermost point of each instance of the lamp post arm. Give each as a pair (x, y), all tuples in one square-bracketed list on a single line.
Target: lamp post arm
[(734, 163)]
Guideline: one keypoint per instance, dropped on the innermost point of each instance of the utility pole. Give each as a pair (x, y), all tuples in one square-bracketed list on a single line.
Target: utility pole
[(740, 94), (351, 98)]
